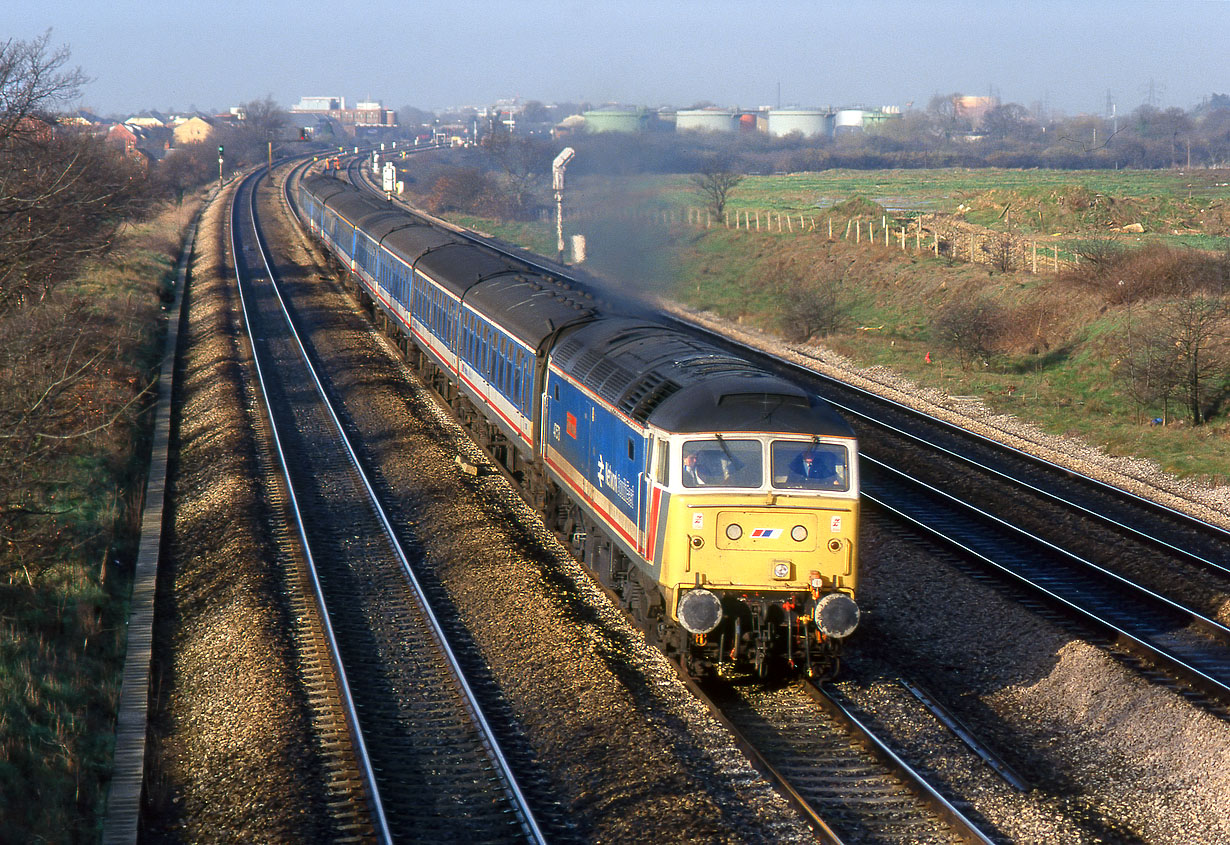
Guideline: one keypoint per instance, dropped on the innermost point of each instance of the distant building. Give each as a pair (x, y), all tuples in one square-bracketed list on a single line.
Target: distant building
[(365, 115), (616, 119), (192, 130), (149, 119), (140, 144), (82, 118), (973, 108), (317, 104)]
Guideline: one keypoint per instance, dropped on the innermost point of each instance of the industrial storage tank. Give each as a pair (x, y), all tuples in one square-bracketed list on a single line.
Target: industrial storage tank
[(850, 120), (616, 119), (807, 122), (711, 120)]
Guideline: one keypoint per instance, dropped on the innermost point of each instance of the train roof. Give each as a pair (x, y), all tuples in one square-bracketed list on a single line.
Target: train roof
[(461, 265), (532, 307), (324, 187), (349, 203), (529, 305), (381, 223), (682, 383), (414, 238)]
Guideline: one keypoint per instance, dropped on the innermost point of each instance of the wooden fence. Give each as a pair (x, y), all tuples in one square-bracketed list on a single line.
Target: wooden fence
[(939, 235)]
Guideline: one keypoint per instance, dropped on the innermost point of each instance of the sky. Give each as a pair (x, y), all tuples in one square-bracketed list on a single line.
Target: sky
[(211, 55)]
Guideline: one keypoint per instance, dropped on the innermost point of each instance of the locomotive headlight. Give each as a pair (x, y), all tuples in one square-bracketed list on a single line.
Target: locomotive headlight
[(734, 531), (836, 615), (700, 611), (798, 533)]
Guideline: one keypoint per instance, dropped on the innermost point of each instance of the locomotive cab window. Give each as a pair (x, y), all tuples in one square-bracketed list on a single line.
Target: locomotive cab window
[(723, 463), (664, 462), (810, 466)]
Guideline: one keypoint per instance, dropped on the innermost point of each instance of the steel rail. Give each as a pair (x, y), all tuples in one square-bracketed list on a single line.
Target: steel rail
[(824, 832), (489, 739)]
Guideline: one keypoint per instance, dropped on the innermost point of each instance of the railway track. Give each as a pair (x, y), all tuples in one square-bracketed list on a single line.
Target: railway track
[(430, 762), (843, 778), (1178, 639)]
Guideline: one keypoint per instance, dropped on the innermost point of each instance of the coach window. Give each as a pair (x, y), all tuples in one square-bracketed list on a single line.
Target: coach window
[(499, 366), (516, 381)]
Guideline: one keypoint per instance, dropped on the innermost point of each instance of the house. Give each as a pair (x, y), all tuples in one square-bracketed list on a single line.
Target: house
[(140, 144), (192, 130), (148, 119), (83, 119), (34, 128)]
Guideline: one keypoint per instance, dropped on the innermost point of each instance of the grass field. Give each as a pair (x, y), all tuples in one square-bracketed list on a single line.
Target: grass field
[(1188, 208)]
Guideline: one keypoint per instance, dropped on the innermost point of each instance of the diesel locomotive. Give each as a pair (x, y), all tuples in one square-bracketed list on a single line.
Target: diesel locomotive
[(717, 501)]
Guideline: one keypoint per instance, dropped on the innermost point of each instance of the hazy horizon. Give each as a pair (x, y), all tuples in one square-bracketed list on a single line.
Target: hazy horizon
[(1064, 57)]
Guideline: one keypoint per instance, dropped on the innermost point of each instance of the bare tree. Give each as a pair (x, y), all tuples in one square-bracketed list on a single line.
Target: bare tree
[(1195, 326), (971, 328), (63, 195), (1180, 350), (522, 163), (264, 119), (1153, 373), (33, 81), (815, 299), (1099, 249), (1000, 250), (715, 181)]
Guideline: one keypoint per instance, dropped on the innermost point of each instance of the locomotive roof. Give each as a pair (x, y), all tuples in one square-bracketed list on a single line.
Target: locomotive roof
[(682, 383)]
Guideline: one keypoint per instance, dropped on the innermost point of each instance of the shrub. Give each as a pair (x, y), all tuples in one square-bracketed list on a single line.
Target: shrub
[(970, 328)]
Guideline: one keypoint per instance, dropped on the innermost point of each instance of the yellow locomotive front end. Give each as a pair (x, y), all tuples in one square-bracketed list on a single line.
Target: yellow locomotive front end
[(760, 557)]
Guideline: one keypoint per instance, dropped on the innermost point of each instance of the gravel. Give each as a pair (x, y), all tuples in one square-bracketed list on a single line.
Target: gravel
[(231, 756)]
